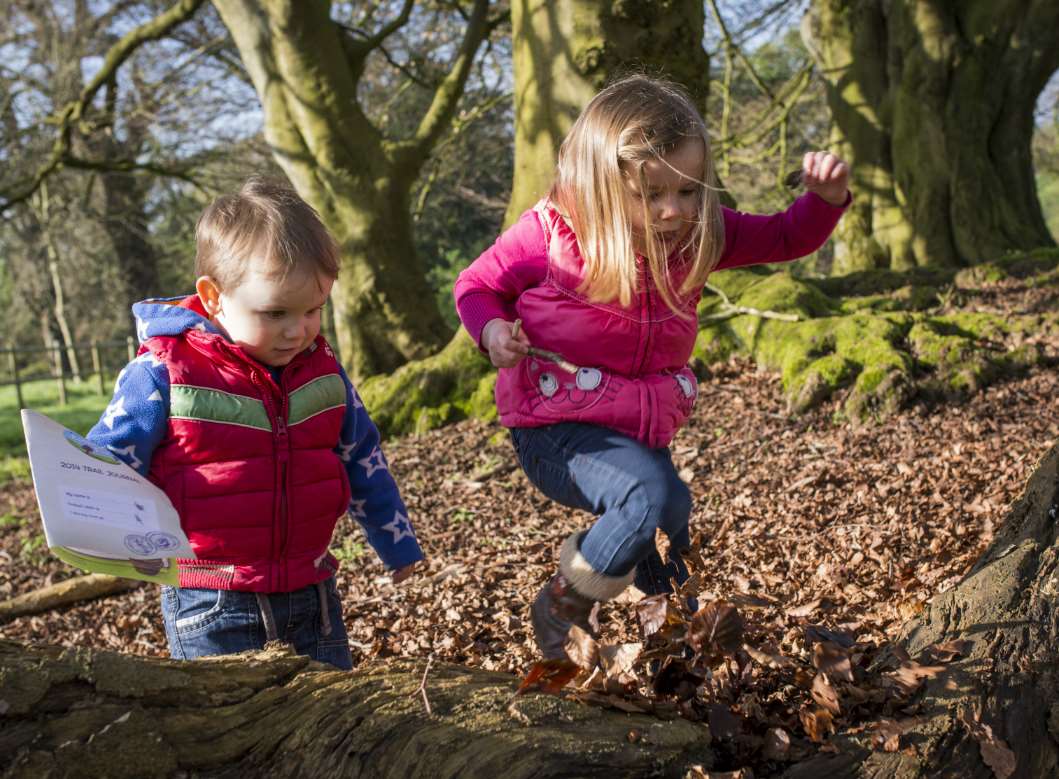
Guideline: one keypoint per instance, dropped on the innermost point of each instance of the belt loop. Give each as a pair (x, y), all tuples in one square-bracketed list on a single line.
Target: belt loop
[(325, 615), (267, 616)]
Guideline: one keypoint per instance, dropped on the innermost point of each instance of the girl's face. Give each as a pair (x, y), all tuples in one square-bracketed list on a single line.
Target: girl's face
[(673, 196)]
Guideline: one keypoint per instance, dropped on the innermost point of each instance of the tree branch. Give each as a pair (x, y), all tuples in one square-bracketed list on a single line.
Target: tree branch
[(447, 95), (74, 111)]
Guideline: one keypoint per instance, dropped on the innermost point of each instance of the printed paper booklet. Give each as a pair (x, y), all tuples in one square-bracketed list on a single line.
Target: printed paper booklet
[(98, 513)]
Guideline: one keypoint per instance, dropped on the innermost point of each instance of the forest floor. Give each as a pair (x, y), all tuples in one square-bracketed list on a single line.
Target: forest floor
[(802, 522)]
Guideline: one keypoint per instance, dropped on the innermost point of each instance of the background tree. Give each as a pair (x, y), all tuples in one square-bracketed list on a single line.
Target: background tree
[(933, 104), (307, 68)]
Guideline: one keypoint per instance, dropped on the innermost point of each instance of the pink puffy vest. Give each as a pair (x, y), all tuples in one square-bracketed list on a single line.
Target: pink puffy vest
[(633, 375), (249, 465)]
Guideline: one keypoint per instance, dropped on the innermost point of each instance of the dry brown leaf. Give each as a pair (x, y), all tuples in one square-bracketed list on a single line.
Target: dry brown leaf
[(581, 648), (817, 722), (911, 674), (995, 752), (716, 628), (618, 660), (832, 660), (886, 735), (805, 610), (948, 651), (824, 694), (768, 659)]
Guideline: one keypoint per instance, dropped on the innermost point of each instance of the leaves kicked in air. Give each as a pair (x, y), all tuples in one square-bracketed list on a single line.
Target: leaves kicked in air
[(548, 676), (716, 629)]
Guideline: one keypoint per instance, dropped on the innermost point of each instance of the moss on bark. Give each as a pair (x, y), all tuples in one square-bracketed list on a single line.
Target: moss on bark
[(880, 336)]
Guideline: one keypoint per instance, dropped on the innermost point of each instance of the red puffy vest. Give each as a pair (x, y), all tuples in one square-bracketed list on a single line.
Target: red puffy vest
[(249, 464)]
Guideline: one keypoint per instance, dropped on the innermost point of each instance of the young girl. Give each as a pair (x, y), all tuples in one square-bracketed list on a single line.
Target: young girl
[(605, 274)]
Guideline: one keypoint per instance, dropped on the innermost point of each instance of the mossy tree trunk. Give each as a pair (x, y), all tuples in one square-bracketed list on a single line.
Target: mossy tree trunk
[(933, 105), (564, 52), (1007, 608), (306, 68), (86, 713)]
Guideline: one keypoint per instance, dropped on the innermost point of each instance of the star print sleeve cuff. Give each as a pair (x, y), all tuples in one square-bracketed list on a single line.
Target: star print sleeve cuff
[(376, 502), (135, 421)]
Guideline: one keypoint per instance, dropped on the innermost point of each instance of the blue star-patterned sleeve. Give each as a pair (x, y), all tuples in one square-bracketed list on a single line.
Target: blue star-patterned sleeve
[(136, 420), (376, 502)]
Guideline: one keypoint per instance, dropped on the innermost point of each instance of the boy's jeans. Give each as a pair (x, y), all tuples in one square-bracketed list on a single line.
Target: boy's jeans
[(632, 489), (201, 622)]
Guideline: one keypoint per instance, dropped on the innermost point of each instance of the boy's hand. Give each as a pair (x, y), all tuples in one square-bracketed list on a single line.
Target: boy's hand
[(403, 573), (505, 350), (826, 175)]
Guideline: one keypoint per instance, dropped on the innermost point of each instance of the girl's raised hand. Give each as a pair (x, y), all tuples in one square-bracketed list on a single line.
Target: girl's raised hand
[(506, 348), (826, 175)]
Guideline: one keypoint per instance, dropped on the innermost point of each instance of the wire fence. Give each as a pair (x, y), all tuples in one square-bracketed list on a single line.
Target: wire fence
[(100, 360)]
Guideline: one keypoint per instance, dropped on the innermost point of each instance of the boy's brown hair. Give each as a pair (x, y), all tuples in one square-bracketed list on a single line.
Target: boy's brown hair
[(265, 218)]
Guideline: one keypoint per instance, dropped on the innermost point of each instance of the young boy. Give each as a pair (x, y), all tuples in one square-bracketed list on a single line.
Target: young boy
[(239, 410)]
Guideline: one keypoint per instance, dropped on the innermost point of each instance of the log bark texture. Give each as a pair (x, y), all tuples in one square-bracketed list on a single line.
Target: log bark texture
[(96, 713)]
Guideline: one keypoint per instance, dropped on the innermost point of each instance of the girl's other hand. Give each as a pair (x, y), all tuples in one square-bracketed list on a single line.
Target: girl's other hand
[(826, 175), (505, 350)]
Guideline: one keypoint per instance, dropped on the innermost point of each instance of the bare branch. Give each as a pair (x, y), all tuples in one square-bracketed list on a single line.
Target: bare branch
[(74, 111), (447, 95)]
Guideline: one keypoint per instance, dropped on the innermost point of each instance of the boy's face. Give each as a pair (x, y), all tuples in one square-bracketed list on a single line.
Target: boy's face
[(272, 319)]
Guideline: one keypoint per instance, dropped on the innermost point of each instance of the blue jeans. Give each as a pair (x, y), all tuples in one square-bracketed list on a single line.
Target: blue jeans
[(200, 622), (633, 491)]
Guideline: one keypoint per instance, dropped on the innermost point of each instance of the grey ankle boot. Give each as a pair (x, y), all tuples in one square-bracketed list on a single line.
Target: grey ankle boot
[(557, 608), (568, 597)]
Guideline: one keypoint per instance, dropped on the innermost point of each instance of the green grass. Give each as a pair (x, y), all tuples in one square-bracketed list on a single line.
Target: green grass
[(83, 407)]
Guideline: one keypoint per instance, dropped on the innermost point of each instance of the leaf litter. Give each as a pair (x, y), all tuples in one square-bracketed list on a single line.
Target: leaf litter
[(813, 542)]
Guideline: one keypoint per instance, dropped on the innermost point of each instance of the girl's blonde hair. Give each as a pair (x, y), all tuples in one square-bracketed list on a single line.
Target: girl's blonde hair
[(632, 121)]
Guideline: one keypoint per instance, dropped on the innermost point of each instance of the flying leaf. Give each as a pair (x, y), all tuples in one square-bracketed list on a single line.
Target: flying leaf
[(832, 660), (716, 628), (581, 648), (824, 694), (947, 652), (911, 674), (618, 660), (549, 676), (995, 752), (887, 735), (817, 723)]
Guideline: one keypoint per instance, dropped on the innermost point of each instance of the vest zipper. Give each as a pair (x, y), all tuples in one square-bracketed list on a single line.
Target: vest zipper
[(282, 454)]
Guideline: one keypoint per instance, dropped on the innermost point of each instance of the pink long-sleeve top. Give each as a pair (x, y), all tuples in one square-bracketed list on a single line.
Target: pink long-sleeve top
[(633, 374)]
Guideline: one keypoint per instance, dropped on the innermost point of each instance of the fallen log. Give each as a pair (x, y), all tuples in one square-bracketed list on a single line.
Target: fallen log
[(80, 712), (79, 588)]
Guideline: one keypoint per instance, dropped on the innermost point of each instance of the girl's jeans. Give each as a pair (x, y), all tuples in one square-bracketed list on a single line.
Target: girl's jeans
[(632, 489), (201, 622)]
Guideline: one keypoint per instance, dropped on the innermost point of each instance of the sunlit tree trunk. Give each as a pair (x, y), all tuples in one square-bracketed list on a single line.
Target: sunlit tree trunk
[(564, 52), (933, 105), (305, 70)]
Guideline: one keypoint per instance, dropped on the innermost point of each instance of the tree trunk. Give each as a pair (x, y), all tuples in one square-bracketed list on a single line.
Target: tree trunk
[(565, 52), (1007, 608), (933, 105), (96, 713), (306, 75)]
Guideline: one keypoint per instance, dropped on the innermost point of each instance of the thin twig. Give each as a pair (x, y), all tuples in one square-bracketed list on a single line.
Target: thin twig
[(423, 686), (729, 309), (558, 359)]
